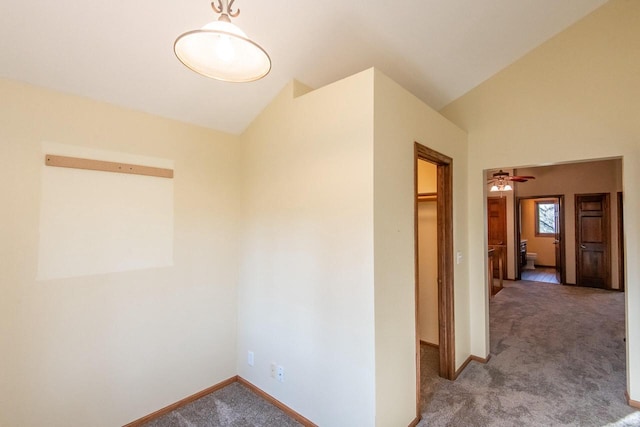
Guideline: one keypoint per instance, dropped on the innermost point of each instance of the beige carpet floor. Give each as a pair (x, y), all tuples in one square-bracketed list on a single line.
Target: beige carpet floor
[(233, 406), (558, 359)]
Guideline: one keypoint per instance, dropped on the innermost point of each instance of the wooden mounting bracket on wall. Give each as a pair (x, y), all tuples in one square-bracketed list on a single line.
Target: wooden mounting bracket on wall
[(100, 165)]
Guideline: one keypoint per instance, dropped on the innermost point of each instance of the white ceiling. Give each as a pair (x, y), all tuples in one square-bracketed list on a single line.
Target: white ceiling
[(121, 51)]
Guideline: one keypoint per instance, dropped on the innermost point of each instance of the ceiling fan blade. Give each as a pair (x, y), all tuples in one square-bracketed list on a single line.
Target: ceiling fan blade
[(502, 176)]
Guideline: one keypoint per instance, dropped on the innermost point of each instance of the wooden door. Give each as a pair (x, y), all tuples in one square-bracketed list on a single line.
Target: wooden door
[(497, 228), (593, 237)]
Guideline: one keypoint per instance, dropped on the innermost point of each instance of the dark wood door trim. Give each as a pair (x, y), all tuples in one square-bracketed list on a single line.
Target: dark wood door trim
[(444, 208), (604, 246), (620, 242), (563, 269)]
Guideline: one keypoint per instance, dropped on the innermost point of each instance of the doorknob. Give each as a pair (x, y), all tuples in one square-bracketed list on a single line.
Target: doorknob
[(583, 247)]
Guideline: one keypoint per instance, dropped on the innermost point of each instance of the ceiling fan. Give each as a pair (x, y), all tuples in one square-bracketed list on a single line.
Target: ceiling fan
[(500, 180)]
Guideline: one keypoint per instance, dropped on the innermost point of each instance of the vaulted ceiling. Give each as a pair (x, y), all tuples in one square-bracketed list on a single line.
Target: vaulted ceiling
[(121, 51)]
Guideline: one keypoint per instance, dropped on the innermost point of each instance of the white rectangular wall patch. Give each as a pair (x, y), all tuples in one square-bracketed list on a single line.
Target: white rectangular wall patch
[(97, 222)]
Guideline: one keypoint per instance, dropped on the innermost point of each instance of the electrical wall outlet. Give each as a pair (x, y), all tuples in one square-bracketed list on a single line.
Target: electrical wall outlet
[(280, 374), (274, 370), (250, 358)]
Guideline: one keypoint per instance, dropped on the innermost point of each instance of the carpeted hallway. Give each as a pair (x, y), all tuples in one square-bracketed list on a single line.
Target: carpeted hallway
[(557, 359)]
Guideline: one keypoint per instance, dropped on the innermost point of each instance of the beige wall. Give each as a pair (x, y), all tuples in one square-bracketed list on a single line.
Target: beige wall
[(400, 120), (573, 98), (105, 349), (427, 255), (306, 282)]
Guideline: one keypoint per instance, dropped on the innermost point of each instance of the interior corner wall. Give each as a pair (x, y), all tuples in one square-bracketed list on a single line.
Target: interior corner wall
[(306, 279), (401, 120), (106, 349), (573, 98)]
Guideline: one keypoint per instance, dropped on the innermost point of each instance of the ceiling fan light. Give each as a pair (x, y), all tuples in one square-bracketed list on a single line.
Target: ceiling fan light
[(494, 188), (222, 51), (507, 188)]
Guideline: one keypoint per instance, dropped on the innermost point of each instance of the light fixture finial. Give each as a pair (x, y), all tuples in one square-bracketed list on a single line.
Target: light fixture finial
[(224, 9)]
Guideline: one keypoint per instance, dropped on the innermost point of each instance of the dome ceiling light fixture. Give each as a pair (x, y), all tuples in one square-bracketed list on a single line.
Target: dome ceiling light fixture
[(222, 51)]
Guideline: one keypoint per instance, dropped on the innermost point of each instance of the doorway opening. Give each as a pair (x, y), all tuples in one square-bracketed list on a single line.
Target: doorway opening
[(437, 269), (582, 201), (540, 233)]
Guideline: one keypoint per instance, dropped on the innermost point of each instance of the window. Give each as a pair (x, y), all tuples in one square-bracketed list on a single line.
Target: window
[(546, 218)]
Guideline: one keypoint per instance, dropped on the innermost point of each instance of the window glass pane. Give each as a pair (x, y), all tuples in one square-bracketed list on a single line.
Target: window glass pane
[(546, 218)]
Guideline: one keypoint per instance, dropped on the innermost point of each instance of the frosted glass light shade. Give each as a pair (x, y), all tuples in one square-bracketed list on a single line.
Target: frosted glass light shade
[(501, 187), (222, 51)]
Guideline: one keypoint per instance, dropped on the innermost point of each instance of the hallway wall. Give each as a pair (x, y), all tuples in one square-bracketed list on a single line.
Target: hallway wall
[(401, 119)]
